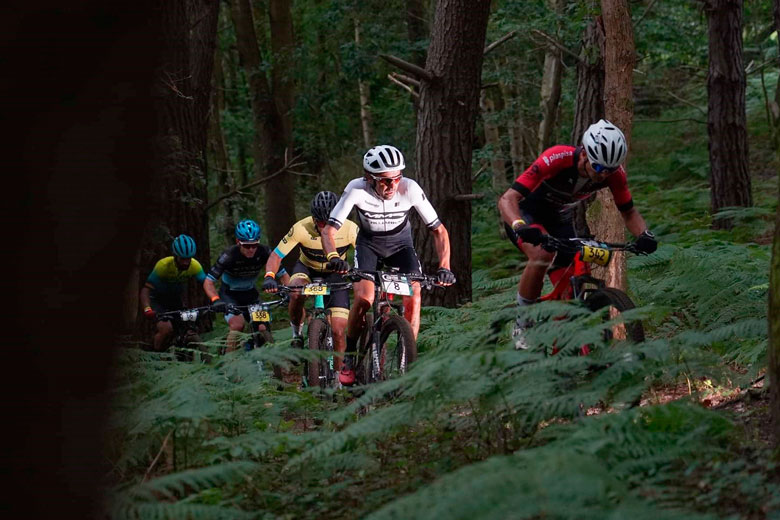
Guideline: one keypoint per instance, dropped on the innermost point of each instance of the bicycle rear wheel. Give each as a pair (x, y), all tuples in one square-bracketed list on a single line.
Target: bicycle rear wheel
[(618, 302), (398, 347), (319, 371)]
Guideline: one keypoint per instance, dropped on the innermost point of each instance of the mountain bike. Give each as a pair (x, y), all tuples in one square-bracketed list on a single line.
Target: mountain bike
[(575, 282), (320, 372), (259, 314), (186, 341), (387, 345)]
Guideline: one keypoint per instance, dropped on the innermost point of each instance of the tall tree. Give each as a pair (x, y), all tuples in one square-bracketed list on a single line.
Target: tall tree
[(726, 118), (449, 103), (365, 101), (619, 60), (550, 94), (774, 300), (417, 29), (271, 107), (182, 102), (589, 104)]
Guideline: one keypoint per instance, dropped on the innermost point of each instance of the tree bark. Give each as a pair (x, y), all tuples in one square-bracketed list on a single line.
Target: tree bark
[(182, 102), (774, 305), (589, 104), (280, 192), (445, 133), (619, 60), (365, 101), (514, 127), (550, 94), (726, 118)]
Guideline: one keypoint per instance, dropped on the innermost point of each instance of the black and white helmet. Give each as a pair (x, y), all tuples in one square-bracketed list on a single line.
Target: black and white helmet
[(383, 158), (605, 144)]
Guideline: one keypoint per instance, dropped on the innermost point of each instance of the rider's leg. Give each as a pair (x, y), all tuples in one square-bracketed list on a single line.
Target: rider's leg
[(164, 332), (338, 326), (295, 307), (532, 280), (356, 322), (236, 324), (412, 306)]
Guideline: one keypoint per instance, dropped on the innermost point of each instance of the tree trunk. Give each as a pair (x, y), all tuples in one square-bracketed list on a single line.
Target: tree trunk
[(619, 60), (726, 119), (445, 133), (514, 127), (280, 215), (589, 104), (493, 141), (774, 305), (773, 369), (365, 101), (182, 102), (550, 94), (218, 151)]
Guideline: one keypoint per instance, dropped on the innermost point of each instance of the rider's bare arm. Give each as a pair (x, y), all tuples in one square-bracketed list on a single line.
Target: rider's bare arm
[(441, 240), (144, 297), (273, 263), (328, 239), (634, 221), (210, 289), (509, 206)]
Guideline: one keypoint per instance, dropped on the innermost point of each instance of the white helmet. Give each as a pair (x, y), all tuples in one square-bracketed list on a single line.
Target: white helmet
[(605, 144), (383, 158)]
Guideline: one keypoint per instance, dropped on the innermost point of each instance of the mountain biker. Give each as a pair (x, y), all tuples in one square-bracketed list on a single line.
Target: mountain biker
[(383, 199), (542, 199), (311, 264), (239, 266), (164, 286)]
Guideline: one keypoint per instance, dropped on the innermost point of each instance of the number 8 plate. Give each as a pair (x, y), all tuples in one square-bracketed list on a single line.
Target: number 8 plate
[(395, 284)]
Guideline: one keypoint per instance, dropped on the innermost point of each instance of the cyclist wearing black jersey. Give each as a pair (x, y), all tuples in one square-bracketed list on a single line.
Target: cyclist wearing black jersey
[(164, 286), (239, 266), (542, 198), (383, 199)]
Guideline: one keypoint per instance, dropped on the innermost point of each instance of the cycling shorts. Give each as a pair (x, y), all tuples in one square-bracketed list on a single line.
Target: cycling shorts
[(405, 259), (337, 301), (161, 305), (559, 225), (239, 298)]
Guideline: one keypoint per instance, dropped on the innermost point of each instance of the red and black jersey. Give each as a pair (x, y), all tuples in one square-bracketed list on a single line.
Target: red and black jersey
[(553, 181)]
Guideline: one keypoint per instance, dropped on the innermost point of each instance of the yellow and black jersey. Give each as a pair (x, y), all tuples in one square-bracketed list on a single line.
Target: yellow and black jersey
[(305, 233)]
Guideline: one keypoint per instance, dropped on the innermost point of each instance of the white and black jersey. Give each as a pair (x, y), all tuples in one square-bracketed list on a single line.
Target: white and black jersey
[(384, 223)]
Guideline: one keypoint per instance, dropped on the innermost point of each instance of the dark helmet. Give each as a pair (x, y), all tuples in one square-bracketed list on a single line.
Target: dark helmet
[(322, 204), (183, 246), (247, 231)]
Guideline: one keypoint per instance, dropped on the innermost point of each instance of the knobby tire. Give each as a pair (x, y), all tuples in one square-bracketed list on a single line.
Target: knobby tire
[(318, 334), (611, 297)]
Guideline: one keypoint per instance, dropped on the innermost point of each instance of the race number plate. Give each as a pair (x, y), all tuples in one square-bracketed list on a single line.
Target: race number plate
[(395, 284), (596, 255), (189, 315), (314, 289), (258, 313)]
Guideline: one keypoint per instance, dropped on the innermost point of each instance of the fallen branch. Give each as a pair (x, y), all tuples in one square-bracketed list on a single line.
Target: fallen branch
[(411, 68), (484, 167), (288, 165), (671, 120), (505, 38), (162, 448), (555, 43)]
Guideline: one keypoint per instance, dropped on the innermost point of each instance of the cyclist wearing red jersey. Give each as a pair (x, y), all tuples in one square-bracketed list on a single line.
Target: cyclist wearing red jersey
[(542, 198)]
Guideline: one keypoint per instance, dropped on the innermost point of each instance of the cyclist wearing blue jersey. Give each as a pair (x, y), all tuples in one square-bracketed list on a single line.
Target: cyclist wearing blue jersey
[(164, 286), (239, 267)]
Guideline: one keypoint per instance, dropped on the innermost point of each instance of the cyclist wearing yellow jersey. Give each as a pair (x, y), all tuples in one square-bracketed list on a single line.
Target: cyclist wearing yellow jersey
[(313, 263), (164, 286)]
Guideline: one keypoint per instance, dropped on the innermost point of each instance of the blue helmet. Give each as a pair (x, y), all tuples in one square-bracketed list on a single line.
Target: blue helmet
[(183, 246), (247, 231)]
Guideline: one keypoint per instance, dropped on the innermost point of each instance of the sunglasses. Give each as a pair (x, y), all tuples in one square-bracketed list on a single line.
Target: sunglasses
[(387, 181), (598, 168), (249, 246)]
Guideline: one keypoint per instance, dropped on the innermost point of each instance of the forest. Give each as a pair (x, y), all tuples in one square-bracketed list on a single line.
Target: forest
[(254, 106)]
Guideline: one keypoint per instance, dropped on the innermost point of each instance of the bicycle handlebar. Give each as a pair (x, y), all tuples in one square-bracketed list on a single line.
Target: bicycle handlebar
[(552, 244), (425, 280)]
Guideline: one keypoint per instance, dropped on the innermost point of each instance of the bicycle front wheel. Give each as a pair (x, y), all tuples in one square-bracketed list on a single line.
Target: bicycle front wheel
[(398, 347), (319, 372), (617, 301)]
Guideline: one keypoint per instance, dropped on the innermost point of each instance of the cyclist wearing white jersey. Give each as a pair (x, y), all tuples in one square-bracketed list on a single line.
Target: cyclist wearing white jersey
[(383, 199)]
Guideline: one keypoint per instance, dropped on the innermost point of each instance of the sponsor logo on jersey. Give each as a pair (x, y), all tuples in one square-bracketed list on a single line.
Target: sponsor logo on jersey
[(384, 215), (555, 156)]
